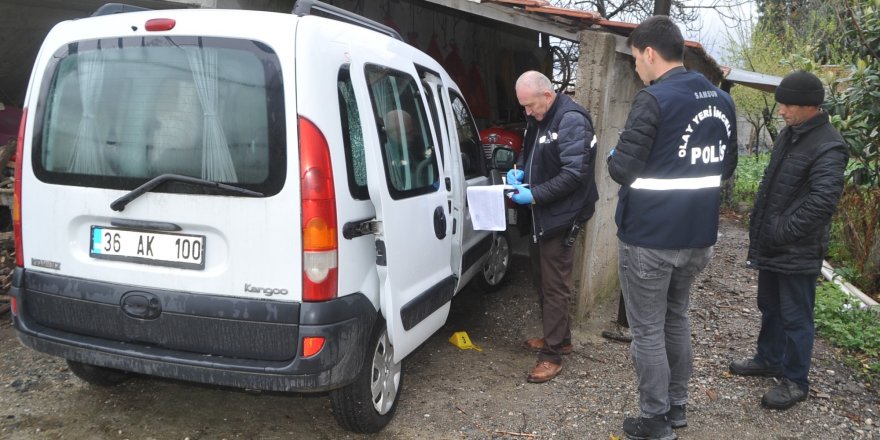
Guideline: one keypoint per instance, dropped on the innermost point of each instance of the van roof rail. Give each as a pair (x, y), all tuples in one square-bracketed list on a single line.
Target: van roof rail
[(305, 7), (117, 8)]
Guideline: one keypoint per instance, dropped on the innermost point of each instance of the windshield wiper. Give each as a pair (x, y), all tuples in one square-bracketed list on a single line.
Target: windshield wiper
[(120, 203)]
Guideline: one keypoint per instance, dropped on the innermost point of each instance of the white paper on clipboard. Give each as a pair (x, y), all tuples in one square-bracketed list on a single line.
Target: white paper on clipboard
[(486, 206)]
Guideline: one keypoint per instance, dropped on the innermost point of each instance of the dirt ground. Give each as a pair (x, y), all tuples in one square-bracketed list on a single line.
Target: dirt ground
[(452, 394)]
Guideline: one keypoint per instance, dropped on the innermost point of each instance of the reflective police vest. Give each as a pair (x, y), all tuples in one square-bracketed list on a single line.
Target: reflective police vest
[(674, 203)]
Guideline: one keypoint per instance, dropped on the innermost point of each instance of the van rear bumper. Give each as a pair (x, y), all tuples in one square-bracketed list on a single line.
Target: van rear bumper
[(66, 317)]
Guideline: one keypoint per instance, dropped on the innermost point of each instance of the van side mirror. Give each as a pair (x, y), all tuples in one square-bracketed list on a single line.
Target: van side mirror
[(503, 159)]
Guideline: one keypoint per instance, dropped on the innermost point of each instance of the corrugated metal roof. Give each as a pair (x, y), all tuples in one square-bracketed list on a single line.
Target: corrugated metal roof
[(755, 80)]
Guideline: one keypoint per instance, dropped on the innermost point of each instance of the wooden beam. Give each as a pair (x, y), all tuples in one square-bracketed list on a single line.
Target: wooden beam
[(584, 15), (516, 2), (506, 14)]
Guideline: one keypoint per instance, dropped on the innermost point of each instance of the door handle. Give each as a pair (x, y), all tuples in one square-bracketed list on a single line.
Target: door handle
[(440, 223), (359, 228)]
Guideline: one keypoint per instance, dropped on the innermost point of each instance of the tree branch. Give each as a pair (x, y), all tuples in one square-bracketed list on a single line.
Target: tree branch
[(855, 22)]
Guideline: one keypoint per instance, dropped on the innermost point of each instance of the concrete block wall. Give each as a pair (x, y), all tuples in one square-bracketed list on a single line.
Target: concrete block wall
[(607, 84)]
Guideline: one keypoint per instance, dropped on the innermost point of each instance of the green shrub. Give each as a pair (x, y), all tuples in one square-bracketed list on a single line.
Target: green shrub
[(841, 320), (749, 172), (855, 237)]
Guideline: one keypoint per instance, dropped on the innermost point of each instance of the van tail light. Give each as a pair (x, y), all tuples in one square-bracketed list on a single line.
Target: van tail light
[(16, 200), (159, 24), (320, 276), (312, 345)]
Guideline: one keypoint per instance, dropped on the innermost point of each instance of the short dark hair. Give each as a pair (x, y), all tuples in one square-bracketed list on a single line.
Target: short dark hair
[(661, 34)]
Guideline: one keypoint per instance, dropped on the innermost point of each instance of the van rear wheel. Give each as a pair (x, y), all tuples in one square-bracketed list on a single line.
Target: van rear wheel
[(495, 269), (100, 376), (368, 404)]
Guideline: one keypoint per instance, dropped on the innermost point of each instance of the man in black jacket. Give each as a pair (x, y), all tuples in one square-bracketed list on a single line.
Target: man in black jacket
[(678, 143), (788, 237), (557, 163)]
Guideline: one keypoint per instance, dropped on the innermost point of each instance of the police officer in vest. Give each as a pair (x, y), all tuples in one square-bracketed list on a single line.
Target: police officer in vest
[(557, 162), (678, 143)]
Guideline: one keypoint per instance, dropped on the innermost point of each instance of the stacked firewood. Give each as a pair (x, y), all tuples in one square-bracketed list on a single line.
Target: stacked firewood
[(7, 264), (7, 240)]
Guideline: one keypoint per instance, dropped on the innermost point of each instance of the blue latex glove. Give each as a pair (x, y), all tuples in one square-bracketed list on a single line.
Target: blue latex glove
[(522, 196), (515, 176)]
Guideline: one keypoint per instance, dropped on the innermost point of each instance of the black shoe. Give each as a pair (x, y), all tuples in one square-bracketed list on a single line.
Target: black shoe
[(677, 416), (654, 428), (751, 367), (784, 395)]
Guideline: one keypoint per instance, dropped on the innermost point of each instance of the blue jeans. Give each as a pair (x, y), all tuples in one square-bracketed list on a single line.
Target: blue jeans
[(786, 303), (656, 287)]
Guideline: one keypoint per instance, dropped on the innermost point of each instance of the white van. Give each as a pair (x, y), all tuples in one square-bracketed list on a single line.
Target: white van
[(251, 199)]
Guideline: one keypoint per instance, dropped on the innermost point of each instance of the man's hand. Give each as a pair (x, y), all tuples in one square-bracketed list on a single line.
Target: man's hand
[(515, 176), (522, 196)]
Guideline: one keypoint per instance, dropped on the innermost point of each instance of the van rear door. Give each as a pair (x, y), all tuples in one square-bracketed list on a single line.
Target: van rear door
[(117, 105)]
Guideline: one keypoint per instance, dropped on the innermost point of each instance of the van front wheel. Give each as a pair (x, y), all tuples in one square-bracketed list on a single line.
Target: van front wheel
[(100, 376), (368, 404), (494, 271)]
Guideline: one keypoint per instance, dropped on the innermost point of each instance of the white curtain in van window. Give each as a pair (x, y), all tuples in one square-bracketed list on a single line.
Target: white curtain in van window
[(87, 156), (387, 97), (216, 160)]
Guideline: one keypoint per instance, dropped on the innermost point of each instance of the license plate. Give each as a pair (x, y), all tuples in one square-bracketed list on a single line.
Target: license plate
[(184, 251)]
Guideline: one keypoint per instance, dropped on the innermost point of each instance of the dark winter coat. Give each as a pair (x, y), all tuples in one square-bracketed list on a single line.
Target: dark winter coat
[(802, 184), (558, 159)]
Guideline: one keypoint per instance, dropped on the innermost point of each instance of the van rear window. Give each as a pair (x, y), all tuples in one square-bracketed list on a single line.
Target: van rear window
[(118, 112)]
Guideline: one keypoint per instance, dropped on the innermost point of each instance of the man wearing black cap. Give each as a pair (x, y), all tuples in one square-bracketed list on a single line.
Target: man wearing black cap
[(788, 237)]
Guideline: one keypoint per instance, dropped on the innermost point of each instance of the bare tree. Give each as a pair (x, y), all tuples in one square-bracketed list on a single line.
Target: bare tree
[(685, 12), (636, 10)]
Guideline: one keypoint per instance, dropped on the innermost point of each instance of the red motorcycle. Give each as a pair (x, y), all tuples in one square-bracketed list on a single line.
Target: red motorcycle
[(494, 137)]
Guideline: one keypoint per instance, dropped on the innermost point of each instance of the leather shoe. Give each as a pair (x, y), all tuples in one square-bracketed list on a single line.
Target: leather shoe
[(751, 367), (536, 344), (677, 416), (648, 428), (784, 395), (544, 371)]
